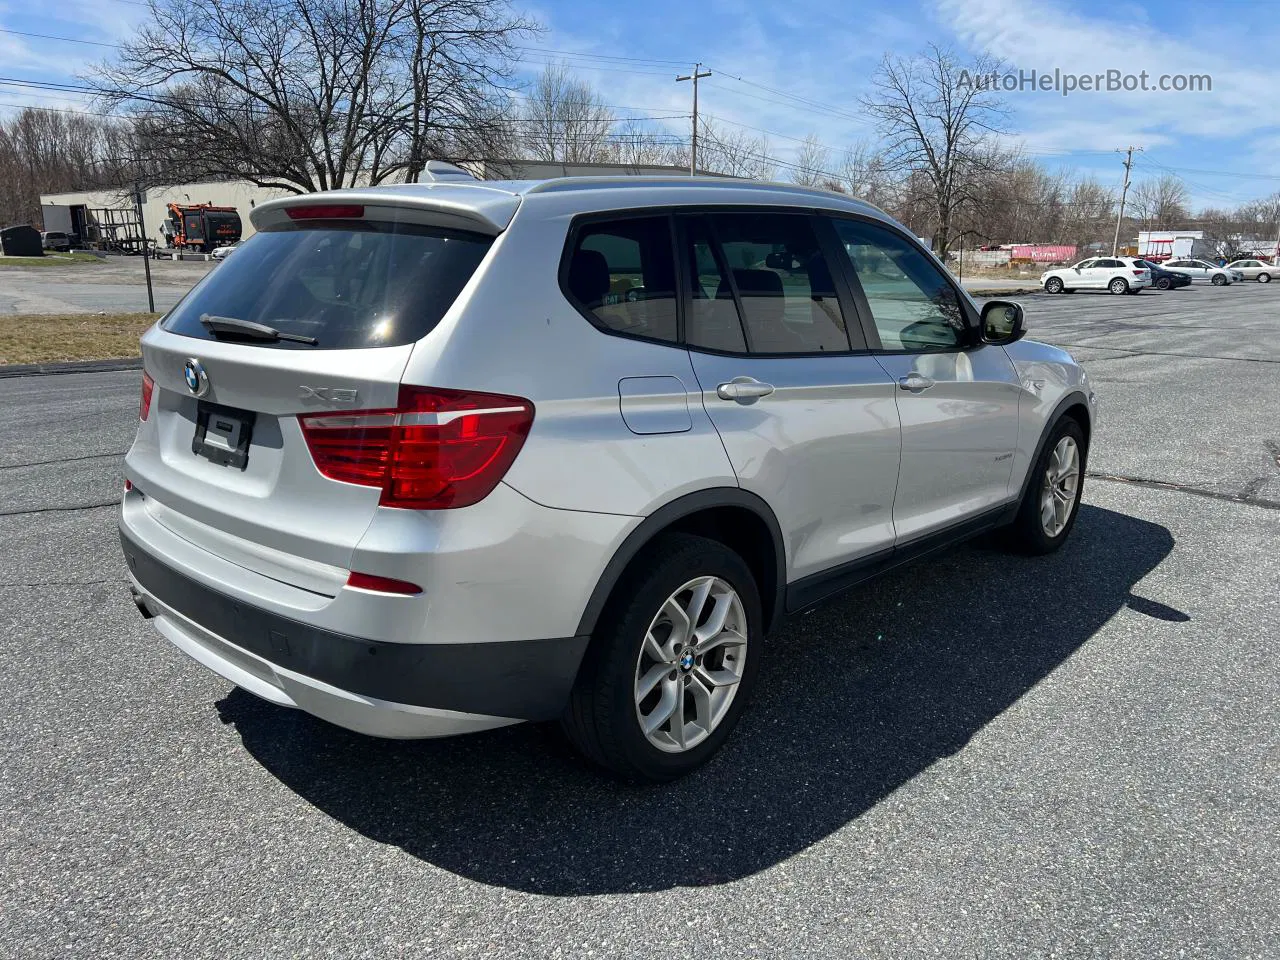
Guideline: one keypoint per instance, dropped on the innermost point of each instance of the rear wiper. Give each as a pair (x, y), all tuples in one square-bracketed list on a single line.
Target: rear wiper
[(236, 327)]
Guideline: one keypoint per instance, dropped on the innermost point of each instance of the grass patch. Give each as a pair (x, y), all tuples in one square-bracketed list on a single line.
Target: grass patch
[(46, 338), (49, 260)]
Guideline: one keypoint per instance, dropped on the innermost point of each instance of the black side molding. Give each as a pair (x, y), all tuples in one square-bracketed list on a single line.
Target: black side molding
[(813, 589), (524, 680)]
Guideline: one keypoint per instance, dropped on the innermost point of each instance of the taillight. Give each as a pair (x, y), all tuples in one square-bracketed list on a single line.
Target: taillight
[(1138, 273), (148, 388), (438, 449), (325, 211)]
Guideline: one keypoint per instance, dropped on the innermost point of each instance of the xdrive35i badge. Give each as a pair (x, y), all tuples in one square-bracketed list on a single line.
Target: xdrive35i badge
[(196, 379)]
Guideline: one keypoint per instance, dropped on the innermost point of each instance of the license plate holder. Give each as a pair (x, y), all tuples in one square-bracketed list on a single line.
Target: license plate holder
[(223, 434)]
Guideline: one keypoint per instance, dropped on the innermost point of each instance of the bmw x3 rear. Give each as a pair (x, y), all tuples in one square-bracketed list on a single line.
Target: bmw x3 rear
[(437, 458)]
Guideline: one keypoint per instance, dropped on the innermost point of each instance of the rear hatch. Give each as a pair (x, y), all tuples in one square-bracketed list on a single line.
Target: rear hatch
[(315, 315)]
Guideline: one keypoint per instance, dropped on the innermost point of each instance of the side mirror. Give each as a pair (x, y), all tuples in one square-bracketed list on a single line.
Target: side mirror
[(1002, 322)]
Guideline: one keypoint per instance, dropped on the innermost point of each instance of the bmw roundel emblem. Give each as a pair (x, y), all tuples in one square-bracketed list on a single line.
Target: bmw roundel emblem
[(197, 380)]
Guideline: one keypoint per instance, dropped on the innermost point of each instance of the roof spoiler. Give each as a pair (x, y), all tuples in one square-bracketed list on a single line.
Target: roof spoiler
[(440, 171)]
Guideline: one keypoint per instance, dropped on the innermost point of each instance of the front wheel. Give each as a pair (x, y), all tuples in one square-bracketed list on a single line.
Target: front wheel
[(1119, 285), (1219, 280), (1049, 507), (672, 662), (1053, 285)]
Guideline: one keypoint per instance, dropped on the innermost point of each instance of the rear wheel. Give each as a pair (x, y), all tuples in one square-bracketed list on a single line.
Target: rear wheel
[(1264, 278), (1118, 285), (1164, 283), (1053, 285), (1219, 280), (1049, 507), (671, 663)]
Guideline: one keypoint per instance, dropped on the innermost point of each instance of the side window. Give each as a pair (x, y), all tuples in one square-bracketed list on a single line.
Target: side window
[(782, 283), (622, 273), (912, 304)]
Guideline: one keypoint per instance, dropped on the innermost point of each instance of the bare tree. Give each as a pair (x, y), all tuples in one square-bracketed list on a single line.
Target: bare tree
[(639, 144), (313, 94), (565, 120), (1160, 203), (813, 164), (733, 151), (52, 151), (938, 119)]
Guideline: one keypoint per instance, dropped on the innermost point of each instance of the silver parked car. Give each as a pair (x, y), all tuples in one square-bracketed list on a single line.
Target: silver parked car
[(442, 457), (1258, 270), (1202, 271)]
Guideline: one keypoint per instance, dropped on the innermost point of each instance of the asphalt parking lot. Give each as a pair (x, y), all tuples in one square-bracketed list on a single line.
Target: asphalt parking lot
[(117, 285), (986, 755)]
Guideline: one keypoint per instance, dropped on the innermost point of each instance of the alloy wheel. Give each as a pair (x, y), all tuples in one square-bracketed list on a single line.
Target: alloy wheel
[(690, 664), (1060, 486)]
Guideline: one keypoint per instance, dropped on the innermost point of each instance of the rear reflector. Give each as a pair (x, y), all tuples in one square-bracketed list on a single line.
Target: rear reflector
[(437, 450), (367, 581), (148, 388), (326, 211), (128, 484)]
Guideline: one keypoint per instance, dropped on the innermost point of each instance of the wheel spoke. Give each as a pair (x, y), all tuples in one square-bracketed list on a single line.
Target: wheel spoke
[(666, 706), (723, 638), (653, 650), (716, 678), (703, 705), (716, 620), (681, 628), (697, 603), (655, 675)]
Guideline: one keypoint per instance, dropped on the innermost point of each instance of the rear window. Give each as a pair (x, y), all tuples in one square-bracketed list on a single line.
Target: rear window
[(348, 285)]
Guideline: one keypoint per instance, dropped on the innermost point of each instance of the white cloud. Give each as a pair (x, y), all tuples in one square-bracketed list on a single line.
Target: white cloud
[(1044, 35)]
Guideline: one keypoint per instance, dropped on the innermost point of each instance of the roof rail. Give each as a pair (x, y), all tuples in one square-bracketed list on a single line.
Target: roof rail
[(565, 184)]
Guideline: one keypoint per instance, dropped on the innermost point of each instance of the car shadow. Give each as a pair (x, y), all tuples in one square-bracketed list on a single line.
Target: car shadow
[(854, 700)]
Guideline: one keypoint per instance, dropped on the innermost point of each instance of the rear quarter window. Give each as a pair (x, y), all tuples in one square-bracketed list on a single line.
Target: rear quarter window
[(349, 285)]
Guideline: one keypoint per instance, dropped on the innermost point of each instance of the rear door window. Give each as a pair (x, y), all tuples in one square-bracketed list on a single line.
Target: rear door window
[(775, 268), (621, 274), (348, 285)]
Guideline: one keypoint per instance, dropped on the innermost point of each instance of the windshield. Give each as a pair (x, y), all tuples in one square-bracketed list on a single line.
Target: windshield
[(348, 285)]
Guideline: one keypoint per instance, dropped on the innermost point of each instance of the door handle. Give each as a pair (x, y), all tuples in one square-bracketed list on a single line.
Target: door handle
[(915, 382), (744, 390)]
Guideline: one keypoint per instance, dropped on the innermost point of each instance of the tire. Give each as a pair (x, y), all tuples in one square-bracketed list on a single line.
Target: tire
[(1264, 278), (604, 715), (1118, 286), (1029, 532), (1219, 280), (1054, 285), (1164, 283)]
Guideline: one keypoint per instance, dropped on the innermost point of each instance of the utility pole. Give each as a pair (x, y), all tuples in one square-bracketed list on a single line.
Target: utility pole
[(1124, 192), (695, 76), (146, 254)]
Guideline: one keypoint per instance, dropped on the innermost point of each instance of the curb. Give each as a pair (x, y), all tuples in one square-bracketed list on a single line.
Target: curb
[(71, 366)]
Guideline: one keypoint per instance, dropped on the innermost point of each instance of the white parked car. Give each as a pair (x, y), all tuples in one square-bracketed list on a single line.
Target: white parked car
[(221, 253), (1258, 270), (1117, 274), (1202, 271)]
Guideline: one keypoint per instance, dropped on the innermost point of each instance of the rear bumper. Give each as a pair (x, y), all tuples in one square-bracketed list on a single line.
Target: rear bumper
[(375, 687)]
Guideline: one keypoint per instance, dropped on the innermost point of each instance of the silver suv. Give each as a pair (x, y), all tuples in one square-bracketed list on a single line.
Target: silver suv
[(437, 458)]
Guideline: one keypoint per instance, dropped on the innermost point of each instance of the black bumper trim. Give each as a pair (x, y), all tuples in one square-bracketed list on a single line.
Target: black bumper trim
[(523, 680)]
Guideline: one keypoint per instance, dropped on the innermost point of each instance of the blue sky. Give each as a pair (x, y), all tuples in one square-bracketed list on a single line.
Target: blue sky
[(798, 67)]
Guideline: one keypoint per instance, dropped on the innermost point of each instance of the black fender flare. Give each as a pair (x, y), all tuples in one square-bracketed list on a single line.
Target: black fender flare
[(664, 517), (1075, 397)]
